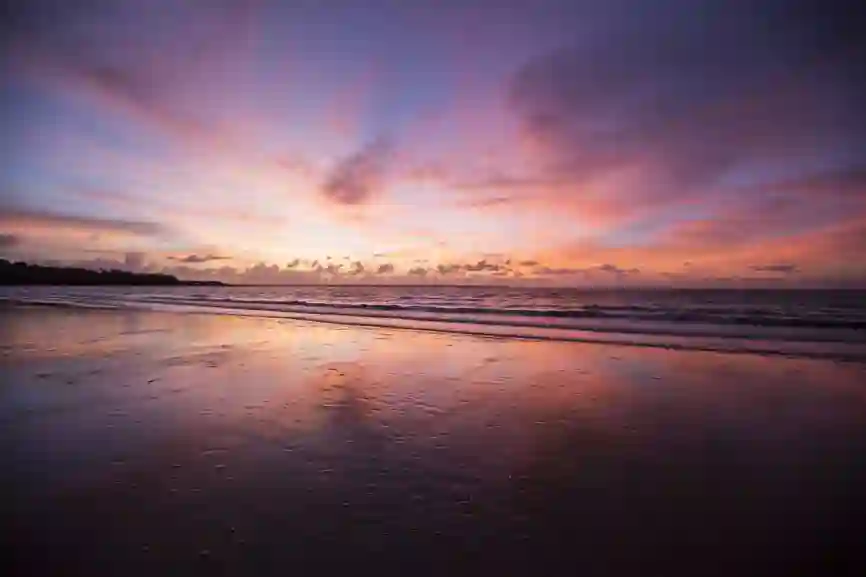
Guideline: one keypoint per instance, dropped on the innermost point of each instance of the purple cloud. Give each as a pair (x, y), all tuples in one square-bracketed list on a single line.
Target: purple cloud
[(355, 179)]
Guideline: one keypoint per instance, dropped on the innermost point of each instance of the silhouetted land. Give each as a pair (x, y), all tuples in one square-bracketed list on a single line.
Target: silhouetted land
[(20, 273)]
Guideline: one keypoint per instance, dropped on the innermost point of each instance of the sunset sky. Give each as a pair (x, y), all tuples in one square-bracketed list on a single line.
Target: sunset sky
[(573, 142)]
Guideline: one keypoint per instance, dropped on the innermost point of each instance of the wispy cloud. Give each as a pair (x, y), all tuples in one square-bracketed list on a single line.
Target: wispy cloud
[(24, 220), (782, 268), (560, 271), (487, 202)]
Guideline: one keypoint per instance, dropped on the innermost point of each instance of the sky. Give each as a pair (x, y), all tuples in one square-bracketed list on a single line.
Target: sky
[(561, 142)]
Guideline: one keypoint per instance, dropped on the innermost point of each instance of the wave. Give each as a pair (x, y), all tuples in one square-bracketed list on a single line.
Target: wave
[(780, 344), (751, 316)]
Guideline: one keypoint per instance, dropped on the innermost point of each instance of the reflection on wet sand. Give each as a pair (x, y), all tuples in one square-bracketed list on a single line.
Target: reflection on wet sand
[(144, 443)]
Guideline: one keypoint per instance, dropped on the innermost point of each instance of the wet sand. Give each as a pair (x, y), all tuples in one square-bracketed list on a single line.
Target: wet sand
[(140, 443)]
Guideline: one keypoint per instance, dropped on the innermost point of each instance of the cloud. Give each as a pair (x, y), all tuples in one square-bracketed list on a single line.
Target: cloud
[(78, 50), (134, 91), (293, 263), (589, 272), (655, 108), (9, 240), (482, 265), (548, 271), (357, 268), (528, 263), (134, 261), (505, 182), (613, 269), (260, 273), (26, 220), (196, 259), (353, 180), (783, 268), (446, 269), (486, 202), (179, 206), (131, 261), (386, 268), (418, 271)]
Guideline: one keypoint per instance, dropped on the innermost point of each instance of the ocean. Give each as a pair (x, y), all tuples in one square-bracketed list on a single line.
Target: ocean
[(791, 322)]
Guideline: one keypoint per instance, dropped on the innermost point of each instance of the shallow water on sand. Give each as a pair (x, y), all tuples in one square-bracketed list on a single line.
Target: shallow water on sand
[(141, 443)]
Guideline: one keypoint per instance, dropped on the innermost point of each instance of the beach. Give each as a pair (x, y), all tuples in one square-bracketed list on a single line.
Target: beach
[(165, 443)]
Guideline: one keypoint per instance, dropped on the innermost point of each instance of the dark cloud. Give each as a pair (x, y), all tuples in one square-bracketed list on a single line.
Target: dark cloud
[(293, 263), (357, 268), (196, 259), (691, 91), (528, 263), (9, 240), (783, 268), (613, 269), (386, 268), (418, 271), (446, 269), (482, 266), (353, 180)]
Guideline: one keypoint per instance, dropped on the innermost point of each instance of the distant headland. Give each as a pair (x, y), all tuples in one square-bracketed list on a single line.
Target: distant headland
[(20, 273)]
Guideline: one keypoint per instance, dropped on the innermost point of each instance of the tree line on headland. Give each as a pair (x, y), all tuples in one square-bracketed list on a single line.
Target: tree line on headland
[(20, 273)]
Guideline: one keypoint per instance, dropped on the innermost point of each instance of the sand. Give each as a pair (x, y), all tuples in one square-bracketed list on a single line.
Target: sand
[(141, 443)]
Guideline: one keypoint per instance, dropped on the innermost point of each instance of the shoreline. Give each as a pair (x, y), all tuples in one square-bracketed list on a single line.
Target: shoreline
[(826, 347), (143, 443)]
